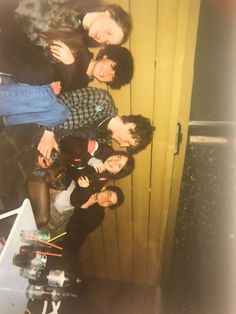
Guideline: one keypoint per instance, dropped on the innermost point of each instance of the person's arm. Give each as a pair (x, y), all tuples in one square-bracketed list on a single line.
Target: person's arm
[(71, 67), (38, 194), (80, 196), (77, 148), (81, 223), (65, 65), (97, 164), (47, 143)]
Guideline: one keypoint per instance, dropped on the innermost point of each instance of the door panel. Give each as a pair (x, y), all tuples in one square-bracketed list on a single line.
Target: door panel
[(135, 239)]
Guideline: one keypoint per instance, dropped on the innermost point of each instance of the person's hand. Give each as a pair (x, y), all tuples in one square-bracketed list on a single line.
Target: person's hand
[(43, 162), (61, 52), (47, 143), (56, 87), (83, 181), (97, 164)]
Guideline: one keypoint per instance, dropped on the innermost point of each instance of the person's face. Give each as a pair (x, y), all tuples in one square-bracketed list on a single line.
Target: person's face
[(104, 70), (115, 163), (106, 198), (123, 136), (105, 30)]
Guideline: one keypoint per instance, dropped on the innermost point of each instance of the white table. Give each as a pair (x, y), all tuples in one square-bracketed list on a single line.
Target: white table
[(12, 286)]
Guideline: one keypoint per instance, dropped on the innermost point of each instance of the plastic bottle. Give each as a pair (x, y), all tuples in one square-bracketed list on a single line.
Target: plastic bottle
[(30, 272), (31, 236), (47, 293), (31, 264)]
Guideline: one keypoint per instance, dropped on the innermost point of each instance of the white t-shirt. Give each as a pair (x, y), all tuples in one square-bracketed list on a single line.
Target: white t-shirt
[(62, 199)]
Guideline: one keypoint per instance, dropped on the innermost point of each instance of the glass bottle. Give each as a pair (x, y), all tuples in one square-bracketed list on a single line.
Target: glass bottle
[(60, 278), (31, 236), (23, 259), (29, 257), (31, 272), (31, 264), (47, 293)]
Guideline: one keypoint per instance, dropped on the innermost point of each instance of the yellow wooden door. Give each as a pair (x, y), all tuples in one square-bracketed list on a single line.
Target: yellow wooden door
[(134, 242)]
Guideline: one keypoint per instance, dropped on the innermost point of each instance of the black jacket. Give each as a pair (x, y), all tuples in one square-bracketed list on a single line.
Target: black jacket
[(82, 222)]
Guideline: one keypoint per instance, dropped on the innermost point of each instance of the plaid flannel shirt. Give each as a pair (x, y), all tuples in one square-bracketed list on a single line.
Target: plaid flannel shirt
[(88, 108)]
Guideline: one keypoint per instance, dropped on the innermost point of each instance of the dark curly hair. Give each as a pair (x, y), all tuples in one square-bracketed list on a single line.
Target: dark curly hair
[(124, 68), (143, 132)]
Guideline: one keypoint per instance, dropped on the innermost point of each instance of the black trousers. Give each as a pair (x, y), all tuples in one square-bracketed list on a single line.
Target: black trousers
[(18, 152)]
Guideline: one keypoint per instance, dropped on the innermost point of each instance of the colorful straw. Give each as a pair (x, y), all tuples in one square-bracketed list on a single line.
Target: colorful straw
[(46, 242), (47, 253), (59, 236)]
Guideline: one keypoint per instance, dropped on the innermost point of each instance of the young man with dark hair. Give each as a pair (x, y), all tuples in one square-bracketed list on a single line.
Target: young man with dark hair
[(91, 113), (113, 65)]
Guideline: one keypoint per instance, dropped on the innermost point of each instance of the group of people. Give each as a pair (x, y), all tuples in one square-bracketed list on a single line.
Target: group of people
[(56, 131)]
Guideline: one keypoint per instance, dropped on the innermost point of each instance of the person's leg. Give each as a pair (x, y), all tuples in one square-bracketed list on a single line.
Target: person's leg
[(39, 196), (22, 98), (21, 104), (18, 149), (57, 114)]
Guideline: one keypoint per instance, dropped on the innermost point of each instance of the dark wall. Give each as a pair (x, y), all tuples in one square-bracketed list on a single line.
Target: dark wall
[(203, 273), (213, 95)]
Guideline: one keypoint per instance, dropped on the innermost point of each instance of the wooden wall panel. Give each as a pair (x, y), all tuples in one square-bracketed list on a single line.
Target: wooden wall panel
[(143, 45), (171, 46), (130, 244), (124, 213), (88, 264), (96, 247), (125, 231), (111, 245), (117, 227), (189, 29)]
